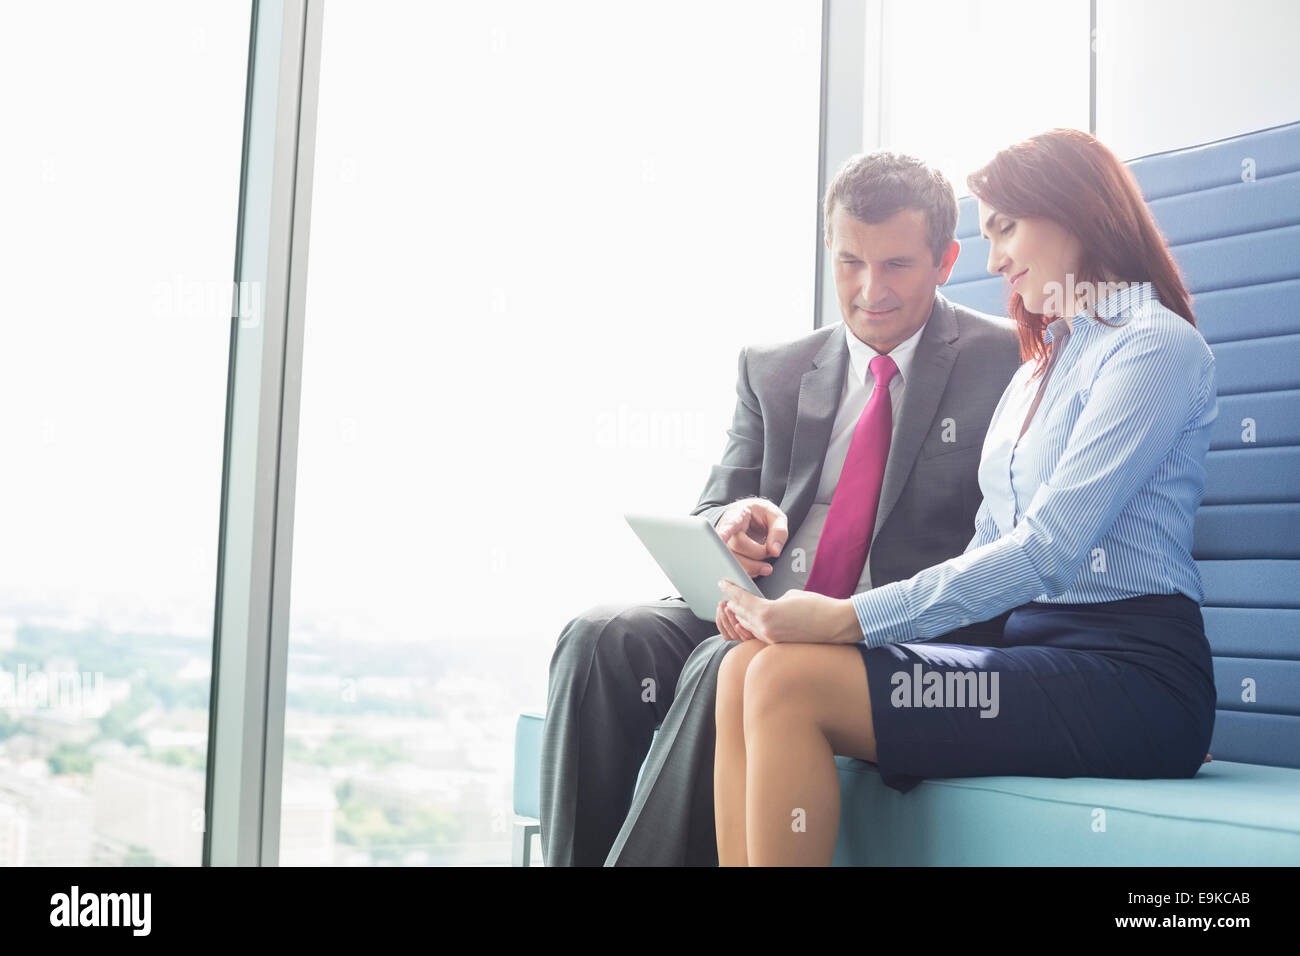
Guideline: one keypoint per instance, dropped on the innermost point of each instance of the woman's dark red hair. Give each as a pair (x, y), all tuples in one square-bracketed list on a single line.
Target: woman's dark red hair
[(1069, 177)]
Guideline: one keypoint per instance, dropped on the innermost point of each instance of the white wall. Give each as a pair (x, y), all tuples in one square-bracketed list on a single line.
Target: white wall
[(1173, 73), (954, 82)]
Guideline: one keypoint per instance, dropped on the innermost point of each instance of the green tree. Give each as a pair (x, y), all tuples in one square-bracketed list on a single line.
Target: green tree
[(70, 758)]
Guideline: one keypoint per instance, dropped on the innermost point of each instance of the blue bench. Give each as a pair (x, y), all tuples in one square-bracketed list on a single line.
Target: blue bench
[(1231, 213)]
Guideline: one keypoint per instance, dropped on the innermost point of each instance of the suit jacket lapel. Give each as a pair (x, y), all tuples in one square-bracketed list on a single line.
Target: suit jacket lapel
[(819, 398), (930, 369)]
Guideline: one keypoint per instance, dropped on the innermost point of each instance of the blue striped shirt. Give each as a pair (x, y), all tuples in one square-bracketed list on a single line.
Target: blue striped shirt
[(1096, 501)]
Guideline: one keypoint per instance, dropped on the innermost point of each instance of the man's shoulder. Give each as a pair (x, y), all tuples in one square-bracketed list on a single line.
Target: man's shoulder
[(975, 327), (800, 350)]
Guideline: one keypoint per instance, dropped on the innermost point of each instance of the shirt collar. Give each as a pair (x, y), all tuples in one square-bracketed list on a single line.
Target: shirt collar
[(1123, 298), (861, 354), (1120, 300), (1056, 327)]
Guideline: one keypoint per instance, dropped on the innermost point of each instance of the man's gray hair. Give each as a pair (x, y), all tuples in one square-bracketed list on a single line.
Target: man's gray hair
[(873, 186)]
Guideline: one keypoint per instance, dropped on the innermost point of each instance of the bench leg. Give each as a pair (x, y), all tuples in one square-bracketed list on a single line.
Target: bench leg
[(522, 853)]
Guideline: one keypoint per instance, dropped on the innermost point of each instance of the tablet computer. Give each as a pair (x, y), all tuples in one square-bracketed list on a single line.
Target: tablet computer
[(695, 558)]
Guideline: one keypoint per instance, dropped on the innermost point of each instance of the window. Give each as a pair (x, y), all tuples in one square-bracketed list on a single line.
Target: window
[(120, 206), (540, 236), (953, 83)]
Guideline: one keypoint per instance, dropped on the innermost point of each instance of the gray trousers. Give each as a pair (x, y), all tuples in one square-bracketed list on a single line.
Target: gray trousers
[(618, 672)]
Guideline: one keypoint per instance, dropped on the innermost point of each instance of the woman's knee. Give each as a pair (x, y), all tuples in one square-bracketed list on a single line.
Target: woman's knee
[(768, 683), (735, 664)]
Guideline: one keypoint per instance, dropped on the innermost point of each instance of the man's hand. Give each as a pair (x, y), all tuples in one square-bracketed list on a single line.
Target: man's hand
[(795, 617), (754, 529)]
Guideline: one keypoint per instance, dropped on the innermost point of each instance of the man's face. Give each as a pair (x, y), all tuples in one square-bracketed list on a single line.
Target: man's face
[(885, 275)]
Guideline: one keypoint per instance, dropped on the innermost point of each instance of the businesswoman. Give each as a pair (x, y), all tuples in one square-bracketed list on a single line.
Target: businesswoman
[(1067, 639)]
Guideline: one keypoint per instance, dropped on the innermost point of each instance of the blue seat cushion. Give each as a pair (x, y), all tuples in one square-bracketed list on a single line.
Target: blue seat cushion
[(1228, 814)]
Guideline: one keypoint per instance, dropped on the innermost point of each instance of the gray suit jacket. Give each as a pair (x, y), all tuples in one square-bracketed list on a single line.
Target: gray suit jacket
[(787, 396)]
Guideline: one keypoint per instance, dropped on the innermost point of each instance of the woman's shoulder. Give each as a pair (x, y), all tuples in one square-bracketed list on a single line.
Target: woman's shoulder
[(1154, 351), (1143, 323)]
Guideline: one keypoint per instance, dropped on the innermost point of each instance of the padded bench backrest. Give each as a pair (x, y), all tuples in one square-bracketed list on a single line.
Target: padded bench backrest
[(1230, 211)]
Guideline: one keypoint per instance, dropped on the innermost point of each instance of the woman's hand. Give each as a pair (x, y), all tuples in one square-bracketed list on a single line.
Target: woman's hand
[(729, 627), (795, 617)]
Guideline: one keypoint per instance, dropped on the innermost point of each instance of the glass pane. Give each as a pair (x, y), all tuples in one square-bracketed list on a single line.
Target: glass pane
[(954, 87), (1172, 73), (119, 188), (541, 234)]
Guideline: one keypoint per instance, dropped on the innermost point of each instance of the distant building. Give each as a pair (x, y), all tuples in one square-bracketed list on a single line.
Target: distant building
[(13, 835), (42, 822), (8, 633), (153, 806), (307, 810)]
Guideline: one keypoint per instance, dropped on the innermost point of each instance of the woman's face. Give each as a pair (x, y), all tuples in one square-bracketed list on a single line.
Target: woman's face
[(1038, 257)]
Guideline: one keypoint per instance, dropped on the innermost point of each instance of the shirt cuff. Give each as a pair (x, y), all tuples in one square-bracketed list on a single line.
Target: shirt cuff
[(883, 615)]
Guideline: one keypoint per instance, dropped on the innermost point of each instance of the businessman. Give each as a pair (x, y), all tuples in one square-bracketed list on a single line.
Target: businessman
[(621, 671)]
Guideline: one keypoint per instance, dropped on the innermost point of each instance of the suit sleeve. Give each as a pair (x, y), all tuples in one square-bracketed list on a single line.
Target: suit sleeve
[(737, 475)]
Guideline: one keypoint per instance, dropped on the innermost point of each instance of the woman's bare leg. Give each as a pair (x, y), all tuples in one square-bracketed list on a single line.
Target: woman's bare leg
[(803, 704), (729, 754)]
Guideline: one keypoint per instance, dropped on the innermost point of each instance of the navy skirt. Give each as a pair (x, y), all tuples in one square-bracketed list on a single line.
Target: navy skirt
[(1116, 689)]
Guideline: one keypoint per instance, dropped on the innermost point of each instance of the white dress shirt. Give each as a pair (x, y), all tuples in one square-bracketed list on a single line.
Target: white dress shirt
[(792, 567)]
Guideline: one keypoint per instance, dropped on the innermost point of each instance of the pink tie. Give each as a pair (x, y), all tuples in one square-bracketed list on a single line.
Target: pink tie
[(846, 536)]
